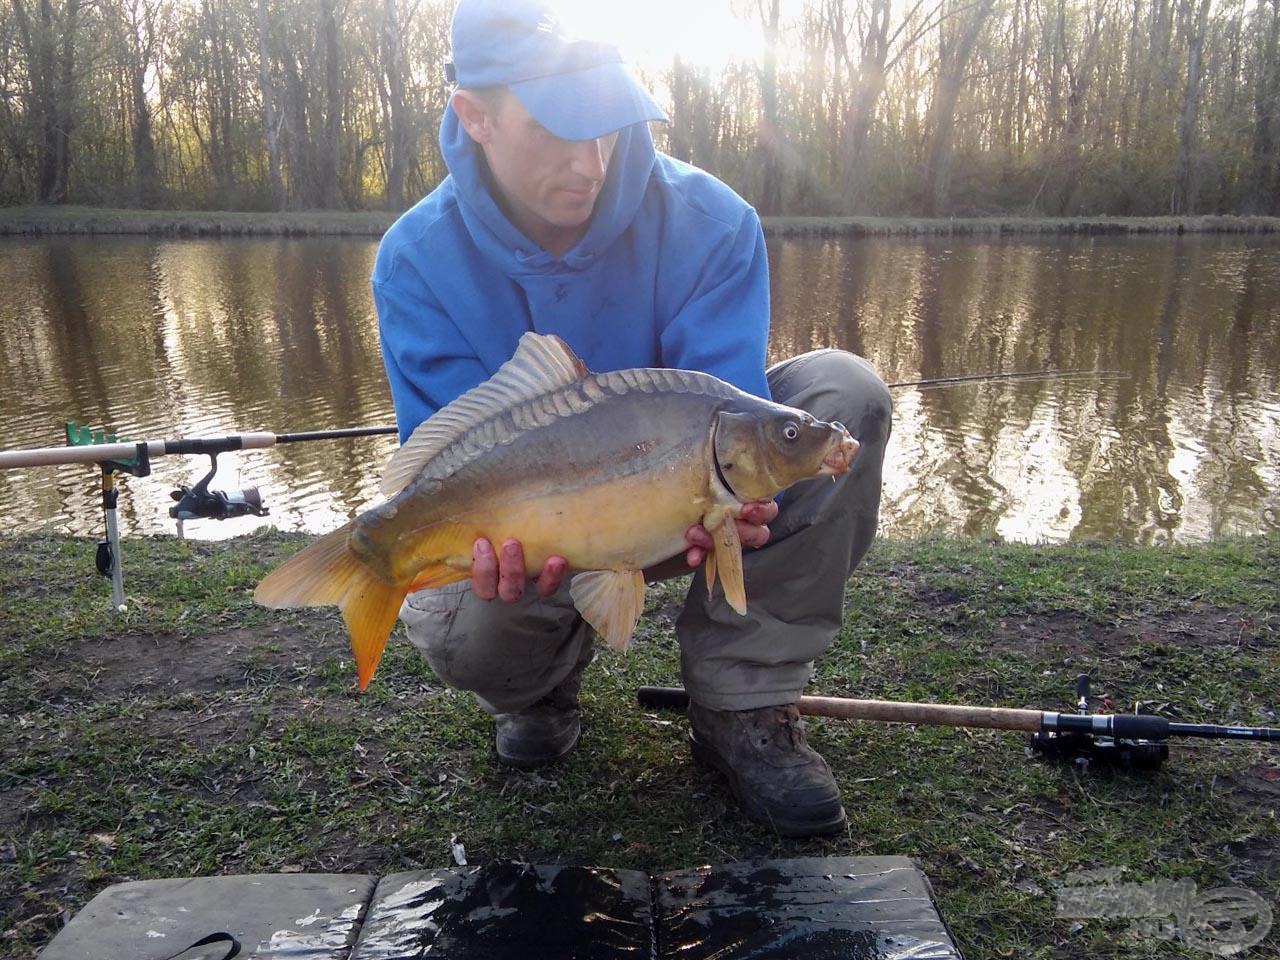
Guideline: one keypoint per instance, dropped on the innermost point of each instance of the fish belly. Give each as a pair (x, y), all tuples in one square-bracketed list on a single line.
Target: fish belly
[(622, 525), (625, 524)]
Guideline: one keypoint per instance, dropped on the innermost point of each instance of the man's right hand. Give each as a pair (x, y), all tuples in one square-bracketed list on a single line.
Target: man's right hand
[(502, 574)]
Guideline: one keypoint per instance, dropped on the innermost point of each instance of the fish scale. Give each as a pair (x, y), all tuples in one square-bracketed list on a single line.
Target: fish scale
[(568, 401)]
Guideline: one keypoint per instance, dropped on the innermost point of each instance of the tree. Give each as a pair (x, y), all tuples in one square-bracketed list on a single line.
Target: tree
[(1264, 174), (865, 77), (1184, 196), (957, 36), (400, 145), (271, 116), (769, 141), (137, 22), (49, 42)]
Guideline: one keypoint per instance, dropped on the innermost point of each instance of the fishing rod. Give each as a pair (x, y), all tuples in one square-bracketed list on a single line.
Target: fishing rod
[(1126, 740), (195, 502), (199, 502), (1026, 375), (124, 452)]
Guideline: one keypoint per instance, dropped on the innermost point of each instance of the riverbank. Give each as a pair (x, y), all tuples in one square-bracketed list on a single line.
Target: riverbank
[(199, 733), (41, 221)]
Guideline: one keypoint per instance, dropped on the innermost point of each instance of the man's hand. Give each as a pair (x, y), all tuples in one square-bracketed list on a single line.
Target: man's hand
[(753, 531), (503, 575)]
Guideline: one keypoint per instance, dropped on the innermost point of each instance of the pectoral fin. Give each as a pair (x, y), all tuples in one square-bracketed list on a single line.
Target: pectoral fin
[(727, 561), (611, 601)]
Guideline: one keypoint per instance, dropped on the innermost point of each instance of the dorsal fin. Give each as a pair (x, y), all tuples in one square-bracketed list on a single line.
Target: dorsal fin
[(541, 364)]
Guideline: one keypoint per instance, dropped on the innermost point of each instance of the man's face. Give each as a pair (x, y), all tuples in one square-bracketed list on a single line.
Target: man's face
[(549, 186)]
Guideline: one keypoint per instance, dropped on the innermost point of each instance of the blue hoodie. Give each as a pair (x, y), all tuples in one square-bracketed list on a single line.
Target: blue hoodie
[(671, 272)]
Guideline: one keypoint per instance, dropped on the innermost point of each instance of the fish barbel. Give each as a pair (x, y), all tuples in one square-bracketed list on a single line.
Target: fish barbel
[(607, 470)]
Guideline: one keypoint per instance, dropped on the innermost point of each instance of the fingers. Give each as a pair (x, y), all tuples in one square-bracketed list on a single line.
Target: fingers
[(552, 576), (751, 534), (511, 575), (753, 531), (503, 574), (759, 512), (484, 570), (698, 544), (753, 522), (498, 574)]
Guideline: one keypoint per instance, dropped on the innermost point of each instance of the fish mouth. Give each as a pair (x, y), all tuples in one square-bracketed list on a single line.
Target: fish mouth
[(840, 455)]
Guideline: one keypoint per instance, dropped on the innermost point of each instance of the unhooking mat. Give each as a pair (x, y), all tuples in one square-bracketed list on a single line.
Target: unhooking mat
[(837, 908)]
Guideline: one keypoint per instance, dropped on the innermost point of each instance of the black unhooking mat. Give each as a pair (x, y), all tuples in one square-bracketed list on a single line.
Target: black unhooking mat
[(838, 908)]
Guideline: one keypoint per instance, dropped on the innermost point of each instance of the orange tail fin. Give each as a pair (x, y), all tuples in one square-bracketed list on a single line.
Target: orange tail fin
[(327, 572)]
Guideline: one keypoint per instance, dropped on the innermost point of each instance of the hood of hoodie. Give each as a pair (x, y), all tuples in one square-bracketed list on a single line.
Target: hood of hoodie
[(502, 243)]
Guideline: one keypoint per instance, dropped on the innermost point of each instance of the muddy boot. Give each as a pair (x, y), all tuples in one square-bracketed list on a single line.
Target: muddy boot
[(778, 778), (547, 729)]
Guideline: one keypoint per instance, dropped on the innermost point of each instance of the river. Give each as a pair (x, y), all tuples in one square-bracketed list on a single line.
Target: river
[(1180, 442)]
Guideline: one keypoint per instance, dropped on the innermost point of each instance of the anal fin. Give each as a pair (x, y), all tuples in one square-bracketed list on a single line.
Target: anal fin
[(611, 601), (436, 575)]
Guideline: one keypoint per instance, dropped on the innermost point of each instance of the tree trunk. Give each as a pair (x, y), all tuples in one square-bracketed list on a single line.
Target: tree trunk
[(270, 108), (37, 90), (865, 90), (679, 130), (302, 165), (1129, 95), (217, 144), (1184, 193), (1264, 176), (400, 136), (51, 92), (954, 49), (333, 108), (146, 176), (64, 108), (768, 141)]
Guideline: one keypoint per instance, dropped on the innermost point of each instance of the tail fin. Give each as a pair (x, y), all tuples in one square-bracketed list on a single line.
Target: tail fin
[(327, 572)]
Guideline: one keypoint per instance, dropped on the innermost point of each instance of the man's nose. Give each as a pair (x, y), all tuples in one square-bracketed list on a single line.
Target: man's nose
[(590, 158)]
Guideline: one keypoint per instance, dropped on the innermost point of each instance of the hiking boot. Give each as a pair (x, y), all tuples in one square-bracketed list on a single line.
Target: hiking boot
[(778, 778), (547, 729)]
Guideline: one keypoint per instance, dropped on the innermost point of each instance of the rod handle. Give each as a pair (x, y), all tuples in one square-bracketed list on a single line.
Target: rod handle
[(888, 711), (1140, 726)]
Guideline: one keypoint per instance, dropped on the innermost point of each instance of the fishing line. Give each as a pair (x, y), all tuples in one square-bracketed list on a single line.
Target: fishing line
[(1028, 375)]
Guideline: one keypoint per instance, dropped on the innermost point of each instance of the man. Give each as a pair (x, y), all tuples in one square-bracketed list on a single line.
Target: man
[(558, 216)]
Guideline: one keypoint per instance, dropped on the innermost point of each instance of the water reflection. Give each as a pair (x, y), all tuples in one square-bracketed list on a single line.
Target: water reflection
[(1185, 448), (170, 338), (161, 339)]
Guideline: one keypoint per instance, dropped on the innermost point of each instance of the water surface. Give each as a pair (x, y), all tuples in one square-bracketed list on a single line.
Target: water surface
[(158, 338)]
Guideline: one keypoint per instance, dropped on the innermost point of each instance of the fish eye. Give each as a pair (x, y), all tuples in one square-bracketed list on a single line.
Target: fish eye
[(790, 430)]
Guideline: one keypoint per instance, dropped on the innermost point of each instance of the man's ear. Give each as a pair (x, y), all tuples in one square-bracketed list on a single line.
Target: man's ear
[(474, 115)]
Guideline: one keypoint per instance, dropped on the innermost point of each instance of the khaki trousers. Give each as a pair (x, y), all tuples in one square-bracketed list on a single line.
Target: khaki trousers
[(511, 655)]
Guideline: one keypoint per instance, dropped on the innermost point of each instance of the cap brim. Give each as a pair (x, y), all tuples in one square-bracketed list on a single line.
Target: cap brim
[(586, 104)]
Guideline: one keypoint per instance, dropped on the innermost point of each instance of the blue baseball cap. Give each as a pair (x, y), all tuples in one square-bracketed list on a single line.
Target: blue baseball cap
[(578, 89)]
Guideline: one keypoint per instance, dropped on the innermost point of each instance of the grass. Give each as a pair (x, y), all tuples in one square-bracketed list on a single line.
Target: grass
[(40, 220), (198, 733)]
